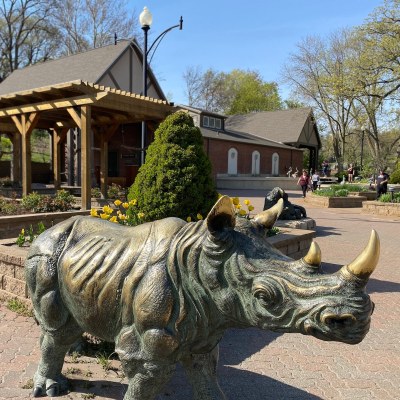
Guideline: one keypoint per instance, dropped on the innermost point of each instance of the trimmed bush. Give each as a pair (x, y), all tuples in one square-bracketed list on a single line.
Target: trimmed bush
[(395, 176), (175, 180)]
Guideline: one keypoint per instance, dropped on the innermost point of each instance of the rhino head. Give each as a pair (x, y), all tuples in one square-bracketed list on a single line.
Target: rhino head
[(253, 284)]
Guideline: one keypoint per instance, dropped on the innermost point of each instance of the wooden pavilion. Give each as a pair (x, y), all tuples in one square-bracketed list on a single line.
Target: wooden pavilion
[(96, 110)]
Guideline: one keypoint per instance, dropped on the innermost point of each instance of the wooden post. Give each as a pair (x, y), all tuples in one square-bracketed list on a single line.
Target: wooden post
[(86, 157), (25, 126), (58, 137), (104, 139), (15, 173)]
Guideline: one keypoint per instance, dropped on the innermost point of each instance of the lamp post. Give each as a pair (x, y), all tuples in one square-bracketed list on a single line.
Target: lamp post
[(146, 19), (362, 146)]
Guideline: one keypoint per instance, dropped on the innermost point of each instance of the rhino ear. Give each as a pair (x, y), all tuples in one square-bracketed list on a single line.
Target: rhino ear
[(221, 216)]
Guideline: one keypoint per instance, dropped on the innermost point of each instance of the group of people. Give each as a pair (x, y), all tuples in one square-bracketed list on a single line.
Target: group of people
[(312, 182), (308, 182)]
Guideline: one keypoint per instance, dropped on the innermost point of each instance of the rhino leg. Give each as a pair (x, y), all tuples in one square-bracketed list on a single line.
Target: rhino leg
[(146, 379), (202, 373), (59, 329)]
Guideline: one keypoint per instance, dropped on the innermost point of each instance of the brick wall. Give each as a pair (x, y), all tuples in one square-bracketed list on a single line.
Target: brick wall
[(217, 151)]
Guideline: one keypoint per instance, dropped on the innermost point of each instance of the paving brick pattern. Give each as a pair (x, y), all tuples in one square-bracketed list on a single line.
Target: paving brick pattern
[(257, 364)]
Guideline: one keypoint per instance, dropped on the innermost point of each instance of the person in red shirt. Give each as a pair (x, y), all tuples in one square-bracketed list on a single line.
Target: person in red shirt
[(304, 182)]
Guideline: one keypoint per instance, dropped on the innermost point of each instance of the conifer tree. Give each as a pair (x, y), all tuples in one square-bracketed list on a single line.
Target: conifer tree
[(175, 180)]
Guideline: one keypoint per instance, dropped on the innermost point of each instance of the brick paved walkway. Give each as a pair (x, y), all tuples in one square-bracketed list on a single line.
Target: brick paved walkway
[(256, 364)]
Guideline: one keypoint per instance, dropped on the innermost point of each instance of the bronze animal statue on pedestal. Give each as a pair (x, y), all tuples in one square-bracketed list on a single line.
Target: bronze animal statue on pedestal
[(166, 291)]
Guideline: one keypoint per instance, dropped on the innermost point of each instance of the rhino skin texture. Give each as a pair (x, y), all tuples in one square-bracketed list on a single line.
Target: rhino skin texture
[(166, 291)]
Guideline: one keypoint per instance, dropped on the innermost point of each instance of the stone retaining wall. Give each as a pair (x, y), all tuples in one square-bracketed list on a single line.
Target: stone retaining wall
[(292, 242), (380, 208), (336, 202)]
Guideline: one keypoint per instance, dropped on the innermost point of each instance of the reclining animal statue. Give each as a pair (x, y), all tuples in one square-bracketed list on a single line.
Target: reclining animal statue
[(165, 292)]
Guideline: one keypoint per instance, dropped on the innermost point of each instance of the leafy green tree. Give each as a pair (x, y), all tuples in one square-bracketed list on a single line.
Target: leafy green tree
[(175, 180), (236, 92)]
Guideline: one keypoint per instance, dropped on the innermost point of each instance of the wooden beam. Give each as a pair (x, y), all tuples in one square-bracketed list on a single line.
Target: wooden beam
[(16, 158), (54, 104), (75, 116), (86, 157)]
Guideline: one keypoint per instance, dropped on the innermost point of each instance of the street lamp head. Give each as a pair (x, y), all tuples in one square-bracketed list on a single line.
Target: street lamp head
[(145, 18)]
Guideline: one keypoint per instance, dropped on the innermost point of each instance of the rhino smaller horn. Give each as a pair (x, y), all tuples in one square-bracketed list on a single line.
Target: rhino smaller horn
[(313, 257), (268, 217), (363, 266)]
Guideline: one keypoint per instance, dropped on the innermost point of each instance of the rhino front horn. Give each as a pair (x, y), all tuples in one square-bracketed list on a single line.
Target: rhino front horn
[(363, 266), (268, 217)]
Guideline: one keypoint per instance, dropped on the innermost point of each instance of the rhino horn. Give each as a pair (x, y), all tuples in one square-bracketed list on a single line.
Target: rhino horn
[(268, 217), (363, 266), (313, 257), (221, 216)]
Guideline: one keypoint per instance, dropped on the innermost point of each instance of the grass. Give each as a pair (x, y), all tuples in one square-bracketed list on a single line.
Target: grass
[(19, 307)]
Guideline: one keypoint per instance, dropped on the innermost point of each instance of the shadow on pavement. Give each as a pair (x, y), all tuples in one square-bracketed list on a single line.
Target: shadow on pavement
[(325, 231)]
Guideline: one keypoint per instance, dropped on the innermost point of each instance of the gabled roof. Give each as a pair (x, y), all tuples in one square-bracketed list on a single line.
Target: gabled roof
[(201, 111), (88, 66), (284, 126)]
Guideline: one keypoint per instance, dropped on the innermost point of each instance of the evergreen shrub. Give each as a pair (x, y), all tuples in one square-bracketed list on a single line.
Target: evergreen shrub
[(175, 180)]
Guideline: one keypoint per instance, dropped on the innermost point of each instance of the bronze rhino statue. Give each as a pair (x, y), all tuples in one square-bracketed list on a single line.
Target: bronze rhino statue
[(166, 291)]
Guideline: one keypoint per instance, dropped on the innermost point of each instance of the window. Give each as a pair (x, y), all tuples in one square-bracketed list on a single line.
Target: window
[(211, 122)]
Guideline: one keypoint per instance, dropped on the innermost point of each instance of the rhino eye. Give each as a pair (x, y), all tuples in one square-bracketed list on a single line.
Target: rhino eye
[(266, 295)]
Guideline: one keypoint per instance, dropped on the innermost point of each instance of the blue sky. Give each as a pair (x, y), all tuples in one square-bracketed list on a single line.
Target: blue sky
[(224, 35)]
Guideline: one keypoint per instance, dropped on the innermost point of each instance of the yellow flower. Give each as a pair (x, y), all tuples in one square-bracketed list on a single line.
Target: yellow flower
[(113, 219), (251, 208), (122, 217), (189, 219), (93, 212), (235, 200), (125, 205), (140, 215), (133, 202), (199, 216), (107, 209), (23, 231), (117, 202), (238, 206), (247, 202), (104, 216), (242, 212)]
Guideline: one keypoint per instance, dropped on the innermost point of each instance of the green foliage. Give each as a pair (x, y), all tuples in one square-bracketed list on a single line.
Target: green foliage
[(31, 201), (341, 193), (116, 192), (331, 192), (7, 182), (34, 202), (95, 193), (395, 175), (387, 198), (175, 179), (23, 237), (350, 187), (19, 307), (8, 207)]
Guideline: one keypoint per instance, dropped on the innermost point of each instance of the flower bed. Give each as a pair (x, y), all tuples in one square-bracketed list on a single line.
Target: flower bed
[(336, 202)]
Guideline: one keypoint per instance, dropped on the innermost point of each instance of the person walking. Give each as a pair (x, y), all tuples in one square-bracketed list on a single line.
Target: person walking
[(315, 180), (381, 183), (304, 181), (350, 173)]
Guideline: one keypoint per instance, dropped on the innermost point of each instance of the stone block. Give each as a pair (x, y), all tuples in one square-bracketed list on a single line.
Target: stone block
[(7, 269), (15, 286)]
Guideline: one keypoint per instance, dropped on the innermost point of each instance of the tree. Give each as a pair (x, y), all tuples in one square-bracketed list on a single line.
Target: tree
[(317, 75), (175, 180), (237, 92), (25, 37), (86, 24), (375, 76)]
